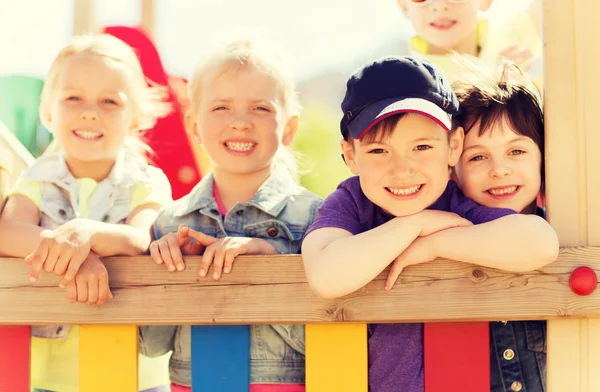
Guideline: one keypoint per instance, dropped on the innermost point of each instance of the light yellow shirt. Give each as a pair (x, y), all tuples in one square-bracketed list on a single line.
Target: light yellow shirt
[(55, 362), (491, 40)]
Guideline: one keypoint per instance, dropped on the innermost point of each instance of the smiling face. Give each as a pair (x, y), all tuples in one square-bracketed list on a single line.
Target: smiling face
[(500, 168), (90, 110), (240, 119), (407, 171), (444, 24)]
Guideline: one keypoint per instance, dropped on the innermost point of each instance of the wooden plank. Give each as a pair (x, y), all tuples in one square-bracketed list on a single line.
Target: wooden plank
[(148, 17), (258, 291), (108, 358), (573, 161), (221, 358), (84, 16), (336, 358), (15, 358), (457, 357)]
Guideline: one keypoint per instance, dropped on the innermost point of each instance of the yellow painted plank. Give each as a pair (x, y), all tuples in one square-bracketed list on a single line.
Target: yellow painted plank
[(108, 358), (336, 358)]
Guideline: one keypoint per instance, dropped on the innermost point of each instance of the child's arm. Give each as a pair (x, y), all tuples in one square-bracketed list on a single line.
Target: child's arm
[(19, 228), (517, 243), (64, 249), (338, 263)]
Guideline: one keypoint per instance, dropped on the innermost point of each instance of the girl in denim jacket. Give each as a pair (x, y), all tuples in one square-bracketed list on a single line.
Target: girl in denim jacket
[(502, 166), (92, 196), (244, 112)]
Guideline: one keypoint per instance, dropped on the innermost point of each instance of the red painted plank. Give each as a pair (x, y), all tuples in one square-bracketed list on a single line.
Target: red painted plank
[(457, 357), (15, 354)]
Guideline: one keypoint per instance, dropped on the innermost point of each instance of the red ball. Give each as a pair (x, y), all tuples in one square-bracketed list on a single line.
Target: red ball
[(583, 281)]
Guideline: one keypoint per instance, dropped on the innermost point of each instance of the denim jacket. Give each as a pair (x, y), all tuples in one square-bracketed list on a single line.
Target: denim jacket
[(280, 212), (518, 354), (111, 201)]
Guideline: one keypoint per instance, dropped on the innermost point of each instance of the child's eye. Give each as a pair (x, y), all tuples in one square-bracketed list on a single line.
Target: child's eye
[(476, 158), (73, 98), (109, 101), (218, 108), (517, 152), (423, 147), (263, 109), (377, 151)]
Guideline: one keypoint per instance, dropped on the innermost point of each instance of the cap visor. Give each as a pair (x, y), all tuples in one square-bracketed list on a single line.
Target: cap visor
[(377, 111)]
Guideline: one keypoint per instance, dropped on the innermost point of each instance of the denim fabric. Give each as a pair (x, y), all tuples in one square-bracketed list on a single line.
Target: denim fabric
[(111, 201), (527, 340), (280, 212)]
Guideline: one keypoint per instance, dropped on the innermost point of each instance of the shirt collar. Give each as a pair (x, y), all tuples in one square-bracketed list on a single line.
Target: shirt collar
[(129, 169), (271, 197)]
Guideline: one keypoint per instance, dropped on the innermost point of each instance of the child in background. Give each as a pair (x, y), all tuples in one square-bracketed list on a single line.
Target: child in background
[(93, 197), (244, 112), (400, 141), (502, 166), (445, 26)]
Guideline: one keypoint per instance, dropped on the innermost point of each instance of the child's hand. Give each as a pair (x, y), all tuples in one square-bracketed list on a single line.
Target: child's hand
[(222, 252), (90, 285), (521, 55), (61, 251), (420, 251), (433, 221), (171, 247)]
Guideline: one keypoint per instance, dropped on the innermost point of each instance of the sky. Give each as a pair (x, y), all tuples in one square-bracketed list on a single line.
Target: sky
[(313, 35)]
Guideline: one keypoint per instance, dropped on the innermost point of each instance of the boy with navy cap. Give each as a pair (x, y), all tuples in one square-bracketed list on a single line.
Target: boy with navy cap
[(400, 142)]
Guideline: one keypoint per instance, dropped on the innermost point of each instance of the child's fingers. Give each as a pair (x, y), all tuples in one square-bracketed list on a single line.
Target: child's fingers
[(165, 253), (82, 290), (71, 290), (104, 294), (218, 262), (230, 255), (207, 259), (155, 253), (393, 275), (71, 272), (176, 255), (183, 237), (62, 263), (36, 260), (202, 238), (92, 286)]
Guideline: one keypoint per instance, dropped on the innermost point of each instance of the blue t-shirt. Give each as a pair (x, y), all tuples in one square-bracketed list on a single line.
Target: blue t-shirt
[(395, 350)]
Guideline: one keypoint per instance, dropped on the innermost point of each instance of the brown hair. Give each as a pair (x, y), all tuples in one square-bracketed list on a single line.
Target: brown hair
[(383, 129), (486, 100)]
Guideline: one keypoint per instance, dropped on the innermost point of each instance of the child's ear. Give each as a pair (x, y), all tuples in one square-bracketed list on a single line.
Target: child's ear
[(402, 4), (290, 131), (191, 127), (455, 145), (348, 155), (484, 5)]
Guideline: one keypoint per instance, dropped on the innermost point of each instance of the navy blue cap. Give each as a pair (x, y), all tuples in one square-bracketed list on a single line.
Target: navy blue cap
[(396, 84)]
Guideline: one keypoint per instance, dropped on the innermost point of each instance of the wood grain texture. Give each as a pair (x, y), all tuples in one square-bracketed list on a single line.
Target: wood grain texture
[(273, 289)]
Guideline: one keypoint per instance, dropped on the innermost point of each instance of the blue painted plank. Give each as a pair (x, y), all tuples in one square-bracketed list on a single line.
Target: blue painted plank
[(220, 358)]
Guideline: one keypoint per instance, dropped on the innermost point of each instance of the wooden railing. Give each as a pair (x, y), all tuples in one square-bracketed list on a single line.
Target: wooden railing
[(274, 290)]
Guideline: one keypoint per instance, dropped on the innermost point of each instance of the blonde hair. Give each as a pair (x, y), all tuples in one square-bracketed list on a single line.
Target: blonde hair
[(149, 101), (253, 52)]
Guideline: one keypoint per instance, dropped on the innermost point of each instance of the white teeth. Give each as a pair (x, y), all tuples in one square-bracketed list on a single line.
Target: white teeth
[(503, 191), (88, 135), (240, 146), (405, 191)]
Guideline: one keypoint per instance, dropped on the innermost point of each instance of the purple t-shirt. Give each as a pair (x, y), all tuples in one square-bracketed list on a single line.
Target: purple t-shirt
[(395, 350)]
